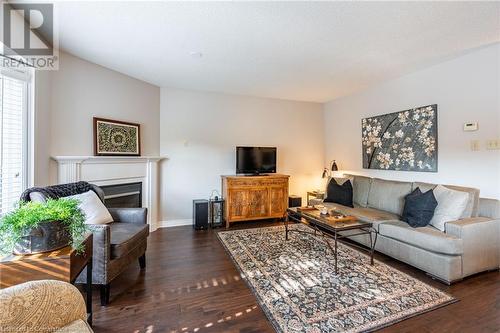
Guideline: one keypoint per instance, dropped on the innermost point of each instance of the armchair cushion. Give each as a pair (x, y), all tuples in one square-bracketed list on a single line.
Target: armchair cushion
[(125, 237)]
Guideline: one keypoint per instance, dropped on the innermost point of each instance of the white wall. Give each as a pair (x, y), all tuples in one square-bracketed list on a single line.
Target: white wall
[(43, 92), (80, 90), (199, 133), (466, 89)]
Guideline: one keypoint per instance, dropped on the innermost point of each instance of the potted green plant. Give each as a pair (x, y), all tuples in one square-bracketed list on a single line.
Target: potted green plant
[(36, 227)]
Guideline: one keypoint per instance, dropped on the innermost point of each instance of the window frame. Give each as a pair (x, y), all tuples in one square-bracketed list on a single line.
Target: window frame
[(27, 76)]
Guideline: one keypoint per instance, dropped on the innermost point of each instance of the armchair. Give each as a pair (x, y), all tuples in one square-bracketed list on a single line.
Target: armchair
[(115, 244), (43, 306)]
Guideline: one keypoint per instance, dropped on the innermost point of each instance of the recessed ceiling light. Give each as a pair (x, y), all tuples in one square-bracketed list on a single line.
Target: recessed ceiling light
[(195, 54)]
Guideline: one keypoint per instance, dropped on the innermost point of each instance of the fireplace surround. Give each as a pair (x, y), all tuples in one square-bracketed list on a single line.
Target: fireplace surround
[(119, 172)]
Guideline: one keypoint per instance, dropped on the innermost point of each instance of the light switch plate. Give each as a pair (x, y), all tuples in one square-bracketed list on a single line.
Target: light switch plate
[(493, 144), (470, 127)]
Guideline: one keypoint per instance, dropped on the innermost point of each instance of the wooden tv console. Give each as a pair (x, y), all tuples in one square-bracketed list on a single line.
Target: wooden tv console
[(254, 197)]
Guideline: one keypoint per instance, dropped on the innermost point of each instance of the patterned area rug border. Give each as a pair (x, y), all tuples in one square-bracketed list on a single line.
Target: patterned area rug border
[(376, 326)]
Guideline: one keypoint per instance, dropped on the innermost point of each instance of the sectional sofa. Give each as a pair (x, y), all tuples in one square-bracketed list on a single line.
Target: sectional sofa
[(467, 246)]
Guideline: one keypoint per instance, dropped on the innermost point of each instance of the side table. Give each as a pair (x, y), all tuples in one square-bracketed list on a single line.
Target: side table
[(64, 265), (314, 194)]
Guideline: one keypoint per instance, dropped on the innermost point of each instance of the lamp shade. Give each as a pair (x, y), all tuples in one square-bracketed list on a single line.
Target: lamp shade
[(325, 173), (334, 166)]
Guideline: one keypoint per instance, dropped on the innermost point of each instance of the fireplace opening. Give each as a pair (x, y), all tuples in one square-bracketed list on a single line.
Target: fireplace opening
[(123, 195)]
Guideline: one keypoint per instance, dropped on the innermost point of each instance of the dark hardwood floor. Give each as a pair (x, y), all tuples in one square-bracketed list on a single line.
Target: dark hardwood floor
[(191, 285)]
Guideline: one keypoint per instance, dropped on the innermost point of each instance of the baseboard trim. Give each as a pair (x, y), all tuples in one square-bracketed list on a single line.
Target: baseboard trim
[(174, 223)]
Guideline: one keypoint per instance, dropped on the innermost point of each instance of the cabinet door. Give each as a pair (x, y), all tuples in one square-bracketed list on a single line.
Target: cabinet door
[(258, 199), (278, 200), (237, 204)]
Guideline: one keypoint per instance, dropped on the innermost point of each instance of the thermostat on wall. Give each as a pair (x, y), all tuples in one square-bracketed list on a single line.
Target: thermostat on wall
[(469, 127)]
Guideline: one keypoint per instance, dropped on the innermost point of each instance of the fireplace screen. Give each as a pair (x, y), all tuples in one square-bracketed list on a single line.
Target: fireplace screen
[(123, 195)]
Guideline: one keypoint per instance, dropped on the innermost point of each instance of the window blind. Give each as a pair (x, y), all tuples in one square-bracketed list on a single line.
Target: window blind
[(13, 143)]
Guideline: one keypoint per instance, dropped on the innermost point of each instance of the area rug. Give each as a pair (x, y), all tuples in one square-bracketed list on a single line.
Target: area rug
[(296, 285)]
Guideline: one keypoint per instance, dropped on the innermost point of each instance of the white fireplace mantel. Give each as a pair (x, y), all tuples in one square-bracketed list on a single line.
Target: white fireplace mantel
[(112, 170), (107, 159)]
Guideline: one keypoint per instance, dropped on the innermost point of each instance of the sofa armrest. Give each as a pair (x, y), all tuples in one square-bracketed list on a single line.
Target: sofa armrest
[(129, 215), (489, 208), (101, 254), (25, 307), (481, 243)]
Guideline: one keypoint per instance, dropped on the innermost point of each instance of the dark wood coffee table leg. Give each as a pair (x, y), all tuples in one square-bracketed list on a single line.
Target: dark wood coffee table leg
[(335, 253), (372, 243), (89, 291), (286, 227)]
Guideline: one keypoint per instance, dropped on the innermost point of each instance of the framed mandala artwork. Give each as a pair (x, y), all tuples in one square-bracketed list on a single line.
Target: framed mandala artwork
[(401, 141), (116, 138)]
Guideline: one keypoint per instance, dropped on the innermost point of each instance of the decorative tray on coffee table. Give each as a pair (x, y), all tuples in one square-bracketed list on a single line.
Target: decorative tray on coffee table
[(332, 216), (306, 208)]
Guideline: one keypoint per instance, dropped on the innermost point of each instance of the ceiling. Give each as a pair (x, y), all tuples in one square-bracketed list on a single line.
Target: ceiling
[(307, 51)]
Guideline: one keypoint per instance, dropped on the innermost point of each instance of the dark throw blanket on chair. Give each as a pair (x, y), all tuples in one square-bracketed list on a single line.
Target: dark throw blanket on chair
[(58, 191)]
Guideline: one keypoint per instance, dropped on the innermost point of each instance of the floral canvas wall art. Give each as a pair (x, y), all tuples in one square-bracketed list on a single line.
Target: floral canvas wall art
[(403, 141)]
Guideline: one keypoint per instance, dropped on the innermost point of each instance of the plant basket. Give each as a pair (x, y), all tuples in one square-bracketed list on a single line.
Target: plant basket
[(47, 236)]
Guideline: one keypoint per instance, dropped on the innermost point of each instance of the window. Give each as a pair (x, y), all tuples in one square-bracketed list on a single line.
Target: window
[(14, 136)]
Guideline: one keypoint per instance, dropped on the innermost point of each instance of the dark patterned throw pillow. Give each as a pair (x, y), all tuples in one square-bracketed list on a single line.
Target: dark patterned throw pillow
[(419, 208), (341, 194)]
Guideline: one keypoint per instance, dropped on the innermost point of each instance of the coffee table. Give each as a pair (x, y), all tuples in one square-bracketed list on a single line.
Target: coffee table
[(330, 226)]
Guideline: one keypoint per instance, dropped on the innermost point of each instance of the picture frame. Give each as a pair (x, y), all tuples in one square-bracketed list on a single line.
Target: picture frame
[(116, 138), (401, 141)]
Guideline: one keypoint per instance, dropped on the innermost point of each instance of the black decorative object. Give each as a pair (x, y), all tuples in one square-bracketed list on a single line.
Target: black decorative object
[(341, 194), (47, 236), (294, 201), (419, 208), (216, 212), (59, 191), (200, 214), (405, 141)]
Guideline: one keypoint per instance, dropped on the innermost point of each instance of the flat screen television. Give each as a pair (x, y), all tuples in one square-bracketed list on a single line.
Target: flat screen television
[(255, 160)]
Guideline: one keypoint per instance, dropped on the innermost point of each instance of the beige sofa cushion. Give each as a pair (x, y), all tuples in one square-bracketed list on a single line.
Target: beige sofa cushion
[(472, 208), (388, 195), (427, 238), (360, 188), (366, 214)]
